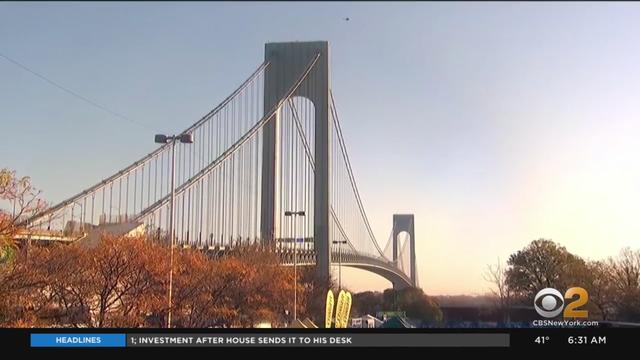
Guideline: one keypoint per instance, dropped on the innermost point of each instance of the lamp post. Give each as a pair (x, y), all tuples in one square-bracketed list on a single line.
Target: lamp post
[(293, 215), (339, 242), (164, 139)]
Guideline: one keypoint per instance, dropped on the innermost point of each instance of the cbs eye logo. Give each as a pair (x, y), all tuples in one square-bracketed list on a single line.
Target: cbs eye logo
[(549, 303)]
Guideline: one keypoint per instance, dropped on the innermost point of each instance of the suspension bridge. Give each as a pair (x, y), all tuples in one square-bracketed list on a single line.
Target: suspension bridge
[(274, 145)]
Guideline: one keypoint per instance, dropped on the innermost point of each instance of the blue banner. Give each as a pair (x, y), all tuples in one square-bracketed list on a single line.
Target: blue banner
[(78, 340)]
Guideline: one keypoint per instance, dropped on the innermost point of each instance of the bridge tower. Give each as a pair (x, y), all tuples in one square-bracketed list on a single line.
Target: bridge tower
[(287, 61), (405, 223)]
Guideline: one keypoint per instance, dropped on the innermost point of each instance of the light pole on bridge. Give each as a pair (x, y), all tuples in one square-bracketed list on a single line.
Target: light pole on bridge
[(164, 139), (293, 215)]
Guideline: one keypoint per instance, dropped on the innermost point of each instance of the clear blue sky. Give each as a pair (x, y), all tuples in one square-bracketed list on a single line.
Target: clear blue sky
[(495, 123)]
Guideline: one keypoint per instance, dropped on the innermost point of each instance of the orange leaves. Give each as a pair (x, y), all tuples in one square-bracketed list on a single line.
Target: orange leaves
[(21, 200), (123, 282), (240, 289)]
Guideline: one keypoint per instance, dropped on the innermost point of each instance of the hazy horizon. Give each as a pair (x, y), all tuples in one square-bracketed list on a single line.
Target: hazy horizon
[(494, 123)]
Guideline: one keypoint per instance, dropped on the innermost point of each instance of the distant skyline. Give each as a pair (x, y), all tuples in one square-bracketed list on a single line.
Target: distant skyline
[(494, 123)]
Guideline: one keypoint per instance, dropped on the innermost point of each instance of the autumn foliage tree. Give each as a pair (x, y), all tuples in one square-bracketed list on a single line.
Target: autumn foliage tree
[(542, 264), (240, 289), (123, 282), (313, 293), (613, 284), (18, 199), (115, 284)]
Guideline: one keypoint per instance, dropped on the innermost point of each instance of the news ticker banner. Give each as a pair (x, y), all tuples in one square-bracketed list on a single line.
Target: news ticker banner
[(270, 340)]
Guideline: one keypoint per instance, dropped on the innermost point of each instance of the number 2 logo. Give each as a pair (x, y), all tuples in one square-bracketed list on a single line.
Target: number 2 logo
[(583, 297)]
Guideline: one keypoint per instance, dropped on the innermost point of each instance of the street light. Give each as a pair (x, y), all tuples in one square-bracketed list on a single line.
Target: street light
[(164, 139), (295, 260), (339, 242)]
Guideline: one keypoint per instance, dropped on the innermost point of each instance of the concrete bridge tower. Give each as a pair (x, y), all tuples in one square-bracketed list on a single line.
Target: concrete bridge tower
[(287, 61), (405, 223)]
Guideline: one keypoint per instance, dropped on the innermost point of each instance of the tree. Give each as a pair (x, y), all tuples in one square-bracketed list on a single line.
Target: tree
[(597, 281), (23, 201), (542, 264), (21, 283), (497, 275), (199, 291), (414, 302), (127, 279), (625, 284), (116, 284), (613, 285), (239, 289), (315, 294), (367, 302), (265, 289)]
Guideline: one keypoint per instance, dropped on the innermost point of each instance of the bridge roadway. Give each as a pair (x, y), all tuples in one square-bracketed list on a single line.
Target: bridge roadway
[(307, 257)]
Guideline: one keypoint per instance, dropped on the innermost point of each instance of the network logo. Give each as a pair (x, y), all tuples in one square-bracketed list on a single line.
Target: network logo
[(549, 303)]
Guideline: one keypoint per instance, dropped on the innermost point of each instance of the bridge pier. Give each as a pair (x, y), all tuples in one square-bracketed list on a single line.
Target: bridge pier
[(287, 61)]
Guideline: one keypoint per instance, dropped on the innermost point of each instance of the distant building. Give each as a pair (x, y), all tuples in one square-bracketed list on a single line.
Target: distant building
[(366, 322), (94, 233)]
